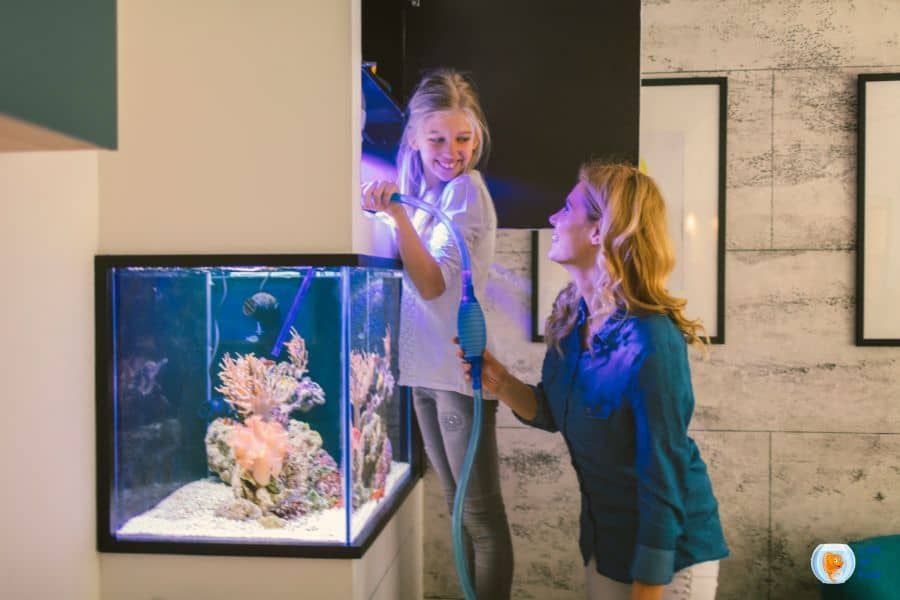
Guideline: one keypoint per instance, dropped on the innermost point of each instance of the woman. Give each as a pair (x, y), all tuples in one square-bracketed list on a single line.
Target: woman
[(616, 383)]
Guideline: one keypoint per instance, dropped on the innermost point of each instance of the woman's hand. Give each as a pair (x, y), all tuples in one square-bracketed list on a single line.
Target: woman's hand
[(376, 197), (494, 375), (497, 380)]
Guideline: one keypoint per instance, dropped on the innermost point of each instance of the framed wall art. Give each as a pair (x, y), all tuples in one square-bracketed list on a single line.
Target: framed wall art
[(878, 211), (683, 147)]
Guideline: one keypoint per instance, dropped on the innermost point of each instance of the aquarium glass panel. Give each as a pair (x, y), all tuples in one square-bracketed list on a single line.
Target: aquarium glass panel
[(250, 405), (379, 452)]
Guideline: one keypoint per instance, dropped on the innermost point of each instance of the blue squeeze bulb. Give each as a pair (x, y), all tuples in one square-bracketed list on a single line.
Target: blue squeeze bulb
[(472, 335)]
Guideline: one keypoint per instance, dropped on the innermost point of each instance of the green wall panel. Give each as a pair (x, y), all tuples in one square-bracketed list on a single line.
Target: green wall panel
[(58, 66)]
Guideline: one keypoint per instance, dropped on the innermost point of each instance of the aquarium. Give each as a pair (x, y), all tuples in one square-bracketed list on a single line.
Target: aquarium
[(248, 404)]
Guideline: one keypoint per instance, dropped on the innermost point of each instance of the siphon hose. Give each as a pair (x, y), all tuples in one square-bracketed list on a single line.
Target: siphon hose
[(472, 339), (459, 553)]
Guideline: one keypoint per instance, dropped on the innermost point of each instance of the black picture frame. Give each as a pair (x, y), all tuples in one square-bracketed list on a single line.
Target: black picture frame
[(872, 135), (539, 309)]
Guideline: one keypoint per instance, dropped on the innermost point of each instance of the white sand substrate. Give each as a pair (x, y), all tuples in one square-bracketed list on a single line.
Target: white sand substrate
[(188, 514)]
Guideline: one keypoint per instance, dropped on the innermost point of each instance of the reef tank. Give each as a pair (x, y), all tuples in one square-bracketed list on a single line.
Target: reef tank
[(248, 404)]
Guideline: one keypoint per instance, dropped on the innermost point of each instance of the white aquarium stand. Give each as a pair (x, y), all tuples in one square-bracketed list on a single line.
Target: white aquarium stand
[(391, 569)]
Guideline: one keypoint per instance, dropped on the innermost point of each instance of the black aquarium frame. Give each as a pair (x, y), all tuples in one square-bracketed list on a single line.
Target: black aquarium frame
[(104, 411)]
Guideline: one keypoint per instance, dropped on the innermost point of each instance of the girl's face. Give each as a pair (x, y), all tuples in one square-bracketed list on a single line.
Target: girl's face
[(445, 141), (576, 239)]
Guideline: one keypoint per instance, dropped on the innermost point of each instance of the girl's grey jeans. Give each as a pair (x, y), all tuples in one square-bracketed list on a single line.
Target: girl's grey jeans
[(445, 419)]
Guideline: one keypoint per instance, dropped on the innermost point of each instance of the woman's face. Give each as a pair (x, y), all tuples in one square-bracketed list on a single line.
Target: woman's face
[(445, 141), (576, 239)]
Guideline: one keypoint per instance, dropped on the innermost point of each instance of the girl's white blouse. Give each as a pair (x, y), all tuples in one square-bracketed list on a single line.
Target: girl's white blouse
[(427, 327)]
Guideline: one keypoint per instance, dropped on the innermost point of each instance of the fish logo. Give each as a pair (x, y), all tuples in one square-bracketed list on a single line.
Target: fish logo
[(832, 563)]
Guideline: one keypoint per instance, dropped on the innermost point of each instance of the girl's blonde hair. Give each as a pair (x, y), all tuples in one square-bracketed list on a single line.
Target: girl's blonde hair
[(440, 90), (635, 258)]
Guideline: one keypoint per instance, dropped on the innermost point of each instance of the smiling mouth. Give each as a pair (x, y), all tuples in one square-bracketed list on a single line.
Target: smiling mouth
[(554, 237), (447, 165)]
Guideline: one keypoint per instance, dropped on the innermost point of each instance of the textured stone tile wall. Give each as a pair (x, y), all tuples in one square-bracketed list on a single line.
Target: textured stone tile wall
[(799, 427)]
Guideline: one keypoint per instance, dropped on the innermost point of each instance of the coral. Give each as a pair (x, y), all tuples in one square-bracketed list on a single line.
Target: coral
[(249, 386), (259, 448), (321, 490), (239, 510), (362, 374), (305, 445), (263, 499), (371, 380), (138, 375), (309, 479), (293, 507), (304, 439), (371, 383), (379, 480), (326, 478), (370, 377), (371, 458), (272, 522), (277, 464), (257, 386), (219, 456), (140, 396), (296, 347), (308, 394)]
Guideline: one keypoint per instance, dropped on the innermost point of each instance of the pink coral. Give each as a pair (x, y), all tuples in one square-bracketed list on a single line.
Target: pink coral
[(327, 478), (296, 347), (257, 386), (250, 387), (259, 448), (371, 380), (371, 383)]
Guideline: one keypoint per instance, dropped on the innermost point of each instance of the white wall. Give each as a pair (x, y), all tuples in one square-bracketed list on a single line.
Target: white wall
[(235, 129), (236, 124), (391, 569), (48, 236)]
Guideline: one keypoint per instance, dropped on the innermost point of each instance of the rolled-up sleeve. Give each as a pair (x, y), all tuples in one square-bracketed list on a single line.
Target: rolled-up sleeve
[(543, 418), (462, 205), (661, 401)]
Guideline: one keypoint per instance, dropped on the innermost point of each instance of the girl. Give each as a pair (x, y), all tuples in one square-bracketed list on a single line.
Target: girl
[(616, 383), (444, 139)]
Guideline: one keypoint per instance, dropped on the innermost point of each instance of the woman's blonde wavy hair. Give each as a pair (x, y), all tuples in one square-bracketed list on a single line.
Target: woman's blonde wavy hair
[(635, 259)]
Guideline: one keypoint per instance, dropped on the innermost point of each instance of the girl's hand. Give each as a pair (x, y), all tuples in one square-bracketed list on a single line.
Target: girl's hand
[(376, 197), (493, 374)]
